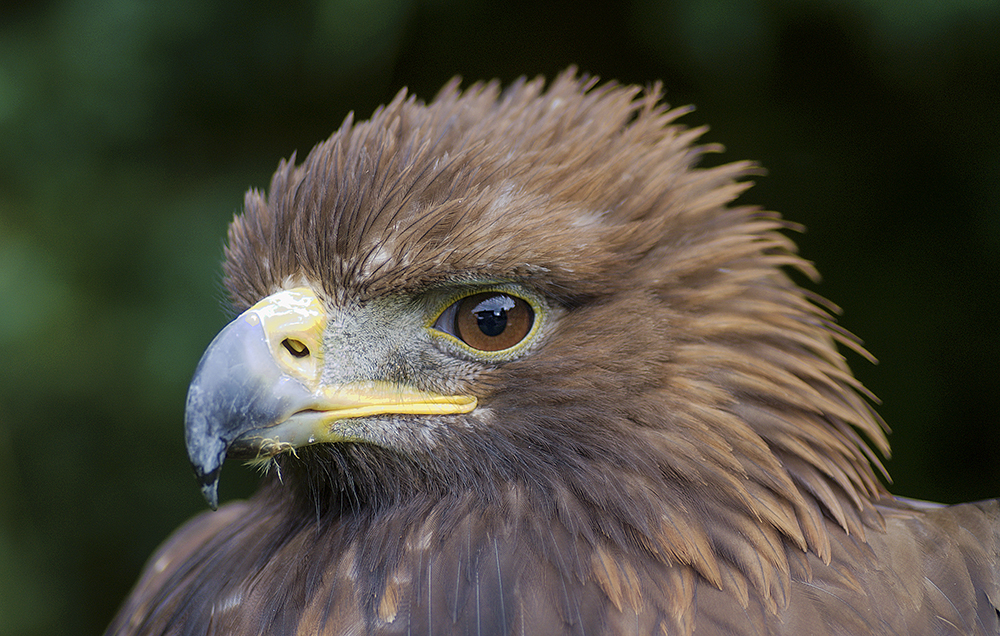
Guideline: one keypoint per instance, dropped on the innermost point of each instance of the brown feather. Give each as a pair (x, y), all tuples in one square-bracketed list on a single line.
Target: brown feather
[(682, 454)]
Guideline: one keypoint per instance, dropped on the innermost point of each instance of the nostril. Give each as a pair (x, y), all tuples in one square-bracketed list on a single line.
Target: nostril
[(295, 347)]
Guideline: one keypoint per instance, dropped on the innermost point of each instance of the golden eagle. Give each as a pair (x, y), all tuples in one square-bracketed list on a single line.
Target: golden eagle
[(515, 364)]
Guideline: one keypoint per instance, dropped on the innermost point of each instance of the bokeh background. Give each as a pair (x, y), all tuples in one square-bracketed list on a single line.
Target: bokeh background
[(129, 130)]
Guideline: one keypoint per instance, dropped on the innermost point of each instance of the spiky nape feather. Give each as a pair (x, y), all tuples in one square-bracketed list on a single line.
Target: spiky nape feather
[(687, 424)]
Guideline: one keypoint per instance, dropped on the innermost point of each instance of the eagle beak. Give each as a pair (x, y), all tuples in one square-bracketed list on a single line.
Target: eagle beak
[(257, 390)]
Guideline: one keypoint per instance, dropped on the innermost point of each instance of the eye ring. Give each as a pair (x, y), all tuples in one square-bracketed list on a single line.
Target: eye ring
[(488, 321)]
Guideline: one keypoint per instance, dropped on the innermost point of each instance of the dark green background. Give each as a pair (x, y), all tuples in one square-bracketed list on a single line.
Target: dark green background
[(129, 130)]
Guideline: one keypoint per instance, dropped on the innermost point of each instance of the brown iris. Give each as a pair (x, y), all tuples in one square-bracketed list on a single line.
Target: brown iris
[(488, 321)]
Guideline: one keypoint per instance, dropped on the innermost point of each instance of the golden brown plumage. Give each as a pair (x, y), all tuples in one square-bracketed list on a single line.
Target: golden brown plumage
[(673, 448)]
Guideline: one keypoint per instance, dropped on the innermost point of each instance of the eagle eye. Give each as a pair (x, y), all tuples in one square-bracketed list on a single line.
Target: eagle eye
[(488, 321)]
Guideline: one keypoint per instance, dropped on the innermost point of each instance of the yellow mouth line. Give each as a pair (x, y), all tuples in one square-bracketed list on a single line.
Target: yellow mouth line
[(381, 398), (346, 405), (316, 423)]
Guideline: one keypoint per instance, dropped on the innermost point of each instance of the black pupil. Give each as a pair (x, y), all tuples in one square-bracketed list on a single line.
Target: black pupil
[(491, 315)]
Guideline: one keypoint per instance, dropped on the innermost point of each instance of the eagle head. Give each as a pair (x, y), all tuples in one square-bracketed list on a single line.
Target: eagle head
[(525, 321)]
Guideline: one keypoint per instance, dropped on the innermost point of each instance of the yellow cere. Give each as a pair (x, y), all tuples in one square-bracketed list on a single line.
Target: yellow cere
[(294, 321)]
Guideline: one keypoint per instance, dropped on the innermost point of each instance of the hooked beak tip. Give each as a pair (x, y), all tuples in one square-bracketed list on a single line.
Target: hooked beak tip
[(210, 487)]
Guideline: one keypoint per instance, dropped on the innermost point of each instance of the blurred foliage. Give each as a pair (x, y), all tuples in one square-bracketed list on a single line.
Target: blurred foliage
[(129, 130)]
